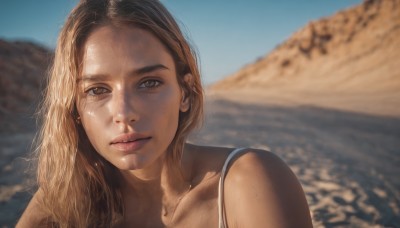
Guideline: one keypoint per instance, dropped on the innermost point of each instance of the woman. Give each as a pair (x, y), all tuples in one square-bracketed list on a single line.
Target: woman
[(123, 95)]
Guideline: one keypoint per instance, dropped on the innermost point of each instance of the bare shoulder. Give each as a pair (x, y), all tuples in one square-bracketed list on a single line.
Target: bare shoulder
[(205, 162), (33, 216), (262, 191), (252, 161), (206, 157)]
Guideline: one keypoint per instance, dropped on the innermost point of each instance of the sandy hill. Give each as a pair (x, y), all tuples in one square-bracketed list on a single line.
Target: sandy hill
[(22, 69), (356, 51)]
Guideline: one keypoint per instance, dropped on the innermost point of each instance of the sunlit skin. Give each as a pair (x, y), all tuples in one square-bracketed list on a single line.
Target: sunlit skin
[(128, 90), (128, 86)]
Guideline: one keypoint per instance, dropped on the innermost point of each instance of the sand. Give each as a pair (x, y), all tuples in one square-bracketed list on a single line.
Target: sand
[(347, 162), (14, 190)]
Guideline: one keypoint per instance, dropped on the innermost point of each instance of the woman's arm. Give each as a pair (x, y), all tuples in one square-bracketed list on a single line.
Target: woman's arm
[(262, 191), (33, 216)]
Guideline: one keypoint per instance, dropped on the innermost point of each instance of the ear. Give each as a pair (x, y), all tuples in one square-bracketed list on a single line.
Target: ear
[(185, 98)]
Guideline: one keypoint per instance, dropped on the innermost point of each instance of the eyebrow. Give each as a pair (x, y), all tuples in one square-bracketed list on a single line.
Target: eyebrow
[(148, 69), (140, 71)]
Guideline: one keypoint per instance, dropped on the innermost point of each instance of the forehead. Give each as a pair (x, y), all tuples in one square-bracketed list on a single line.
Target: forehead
[(110, 47)]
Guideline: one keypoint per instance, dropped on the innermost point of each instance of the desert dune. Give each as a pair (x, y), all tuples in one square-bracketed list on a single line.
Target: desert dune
[(327, 101), (348, 61)]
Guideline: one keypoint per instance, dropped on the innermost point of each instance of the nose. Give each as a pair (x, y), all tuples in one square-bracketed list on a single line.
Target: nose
[(123, 107)]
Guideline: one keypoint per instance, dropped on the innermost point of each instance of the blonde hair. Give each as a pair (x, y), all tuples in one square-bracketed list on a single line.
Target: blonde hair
[(80, 187)]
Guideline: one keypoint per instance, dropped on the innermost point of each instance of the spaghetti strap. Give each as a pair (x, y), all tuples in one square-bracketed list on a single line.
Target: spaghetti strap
[(221, 205)]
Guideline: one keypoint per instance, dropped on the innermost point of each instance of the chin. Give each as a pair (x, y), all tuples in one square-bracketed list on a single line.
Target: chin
[(131, 164)]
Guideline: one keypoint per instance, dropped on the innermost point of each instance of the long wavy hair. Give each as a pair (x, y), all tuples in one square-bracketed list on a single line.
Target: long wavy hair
[(80, 188)]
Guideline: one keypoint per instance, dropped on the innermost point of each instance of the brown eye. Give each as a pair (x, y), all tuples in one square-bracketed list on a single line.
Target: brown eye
[(150, 84), (97, 91)]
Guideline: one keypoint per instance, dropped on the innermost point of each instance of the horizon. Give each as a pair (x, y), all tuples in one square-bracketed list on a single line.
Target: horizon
[(224, 43)]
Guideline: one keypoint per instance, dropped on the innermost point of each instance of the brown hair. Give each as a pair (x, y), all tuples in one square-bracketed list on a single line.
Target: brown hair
[(79, 186)]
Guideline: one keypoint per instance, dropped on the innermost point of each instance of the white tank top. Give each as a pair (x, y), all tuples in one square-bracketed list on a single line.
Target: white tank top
[(221, 206)]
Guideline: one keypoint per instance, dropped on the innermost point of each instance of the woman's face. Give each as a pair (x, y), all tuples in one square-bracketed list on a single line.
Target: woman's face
[(129, 98)]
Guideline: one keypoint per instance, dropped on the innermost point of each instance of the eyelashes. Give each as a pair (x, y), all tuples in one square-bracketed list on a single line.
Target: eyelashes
[(96, 91), (150, 83), (144, 85)]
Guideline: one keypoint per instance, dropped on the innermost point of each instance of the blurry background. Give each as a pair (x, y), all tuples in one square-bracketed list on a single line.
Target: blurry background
[(316, 82), (227, 34)]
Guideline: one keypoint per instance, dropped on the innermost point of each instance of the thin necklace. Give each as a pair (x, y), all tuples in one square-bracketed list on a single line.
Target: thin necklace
[(165, 210)]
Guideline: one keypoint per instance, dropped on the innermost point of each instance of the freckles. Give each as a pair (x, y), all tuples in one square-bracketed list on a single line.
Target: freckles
[(93, 119), (95, 109), (96, 116)]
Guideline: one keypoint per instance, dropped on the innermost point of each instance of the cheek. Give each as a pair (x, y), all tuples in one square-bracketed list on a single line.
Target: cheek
[(157, 113), (166, 106), (93, 120), (93, 113), (163, 114)]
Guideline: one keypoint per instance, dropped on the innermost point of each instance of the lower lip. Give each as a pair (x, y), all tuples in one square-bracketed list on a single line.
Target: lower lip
[(130, 146)]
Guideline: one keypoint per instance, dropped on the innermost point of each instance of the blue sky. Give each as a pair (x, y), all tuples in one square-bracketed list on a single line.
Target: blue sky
[(227, 33)]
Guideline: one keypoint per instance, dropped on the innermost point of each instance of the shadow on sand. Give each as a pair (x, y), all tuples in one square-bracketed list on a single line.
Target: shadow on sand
[(348, 163)]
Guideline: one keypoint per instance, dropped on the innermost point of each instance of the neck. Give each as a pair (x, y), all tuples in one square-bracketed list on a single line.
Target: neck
[(157, 190), (158, 179)]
